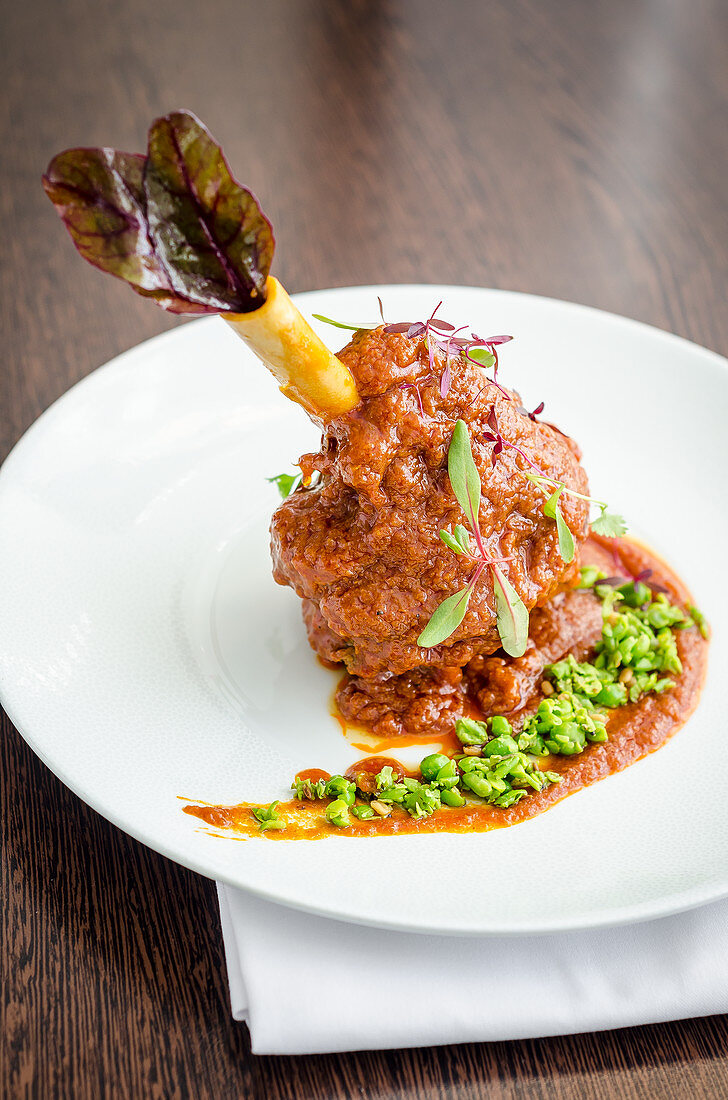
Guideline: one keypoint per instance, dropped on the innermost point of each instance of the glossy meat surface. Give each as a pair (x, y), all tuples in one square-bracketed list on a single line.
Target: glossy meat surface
[(361, 547)]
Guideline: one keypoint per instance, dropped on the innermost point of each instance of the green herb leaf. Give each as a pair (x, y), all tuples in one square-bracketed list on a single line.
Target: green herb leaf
[(482, 356), (341, 324), (552, 509), (451, 542), (286, 483), (511, 615), (458, 540), (463, 537), (445, 619), (609, 524), (463, 473)]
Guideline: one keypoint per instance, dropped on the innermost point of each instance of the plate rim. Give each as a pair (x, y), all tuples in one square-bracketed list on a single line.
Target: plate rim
[(669, 904)]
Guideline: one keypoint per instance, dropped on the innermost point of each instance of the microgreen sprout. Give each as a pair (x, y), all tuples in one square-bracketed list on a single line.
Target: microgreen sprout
[(286, 483), (343, 324), (441, 336), (606, 523), (511, 613)]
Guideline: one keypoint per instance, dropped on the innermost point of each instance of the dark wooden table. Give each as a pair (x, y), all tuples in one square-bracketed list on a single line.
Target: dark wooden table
[(570, 148)]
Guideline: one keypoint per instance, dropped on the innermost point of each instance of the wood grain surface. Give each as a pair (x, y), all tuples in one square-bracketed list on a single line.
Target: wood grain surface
[(574, 148)]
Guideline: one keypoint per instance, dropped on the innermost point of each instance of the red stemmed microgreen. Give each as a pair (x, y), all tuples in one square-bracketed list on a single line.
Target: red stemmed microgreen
[(609, 524), (511, 613), (606, 523), (441, 336)]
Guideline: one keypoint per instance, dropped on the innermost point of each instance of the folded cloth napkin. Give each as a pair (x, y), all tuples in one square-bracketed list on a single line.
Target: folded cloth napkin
[(309, 985)]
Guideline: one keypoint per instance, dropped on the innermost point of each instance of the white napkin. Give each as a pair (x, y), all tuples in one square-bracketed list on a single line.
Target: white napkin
[(308, 985)]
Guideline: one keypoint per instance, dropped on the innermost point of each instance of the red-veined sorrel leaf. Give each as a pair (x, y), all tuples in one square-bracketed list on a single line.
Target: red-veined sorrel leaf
[(511, 615), (175, 226), (446, 618), (209, 232), (99, 194)]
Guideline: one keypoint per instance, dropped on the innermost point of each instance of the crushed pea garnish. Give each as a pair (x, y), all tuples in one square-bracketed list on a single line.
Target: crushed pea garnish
[(636, 655)]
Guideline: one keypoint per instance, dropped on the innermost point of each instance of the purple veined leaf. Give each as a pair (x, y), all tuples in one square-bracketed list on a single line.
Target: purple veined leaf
[(495, 341), (417, 328), (511, 615), (381, 308), (441, 326), (493, 419), (403, 326), (209, 233), (536, 412), (174, 225), (463, 474), (99, 195), (445, 619)]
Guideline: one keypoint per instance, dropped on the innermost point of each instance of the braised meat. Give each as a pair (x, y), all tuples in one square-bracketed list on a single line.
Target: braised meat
[(361, 546)]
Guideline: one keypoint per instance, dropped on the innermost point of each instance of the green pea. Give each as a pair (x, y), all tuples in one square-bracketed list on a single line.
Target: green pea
[(337, 813), (500, 726), (452, 797), (432, 764), (500, 746), (342, 789), (612, 695), (470, 732)]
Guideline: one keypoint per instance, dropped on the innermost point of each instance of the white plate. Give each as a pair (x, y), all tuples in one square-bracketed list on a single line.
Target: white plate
[(146, 653)]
